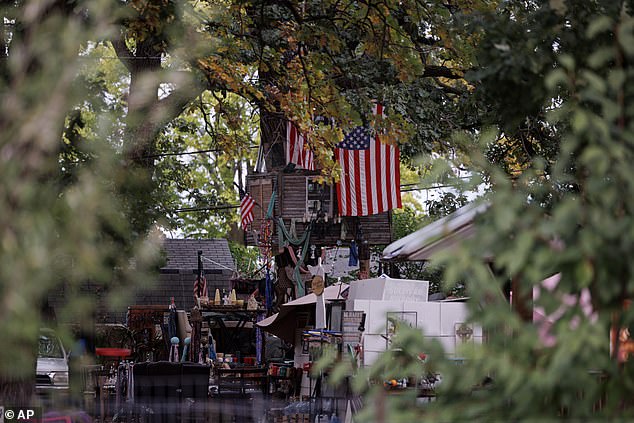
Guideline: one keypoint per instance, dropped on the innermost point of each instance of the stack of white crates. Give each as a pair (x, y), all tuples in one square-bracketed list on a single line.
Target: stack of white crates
[(407, 300)]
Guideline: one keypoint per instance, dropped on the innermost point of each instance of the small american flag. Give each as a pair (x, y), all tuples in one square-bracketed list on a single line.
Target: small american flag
[(370, 176), (200, 287), (246, 210), (297, 150)]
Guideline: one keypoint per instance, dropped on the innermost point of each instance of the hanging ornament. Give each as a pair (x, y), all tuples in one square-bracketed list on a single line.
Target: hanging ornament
[(266, 236)]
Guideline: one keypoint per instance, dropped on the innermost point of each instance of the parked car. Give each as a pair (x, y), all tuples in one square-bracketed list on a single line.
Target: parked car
[(52, 364)]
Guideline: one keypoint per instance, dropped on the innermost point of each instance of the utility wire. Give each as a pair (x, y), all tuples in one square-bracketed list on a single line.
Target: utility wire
[(425, 188), (186, 153), (208, 208), (235, 206), (216, 263), (415, 184)]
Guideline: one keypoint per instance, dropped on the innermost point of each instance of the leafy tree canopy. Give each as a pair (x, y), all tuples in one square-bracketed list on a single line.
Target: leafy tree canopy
[(566, 213), (97, 144), (183, 66)]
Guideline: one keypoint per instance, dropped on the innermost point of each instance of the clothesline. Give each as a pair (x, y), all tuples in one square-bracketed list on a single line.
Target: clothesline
[(218, 264)]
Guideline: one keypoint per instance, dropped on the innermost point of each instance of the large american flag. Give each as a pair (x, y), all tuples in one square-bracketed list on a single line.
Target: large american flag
[(297, 150), (370, 176), (246, 210)]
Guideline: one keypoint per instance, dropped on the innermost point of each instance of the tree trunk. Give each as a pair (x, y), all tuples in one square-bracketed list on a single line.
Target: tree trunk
[(273, 130), (147, 116)]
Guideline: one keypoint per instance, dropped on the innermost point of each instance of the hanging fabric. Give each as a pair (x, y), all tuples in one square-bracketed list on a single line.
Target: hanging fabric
[(353, 260), (293, 230), (268, 291), (211, 348), (200, 289), (171, 320), (344, 230), (304, 242), (288, 237), (271, 208), (259, 338), (297, 274), (283, 280)]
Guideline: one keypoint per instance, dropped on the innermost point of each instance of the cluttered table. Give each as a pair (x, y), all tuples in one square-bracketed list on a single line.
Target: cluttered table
[(219, 316)]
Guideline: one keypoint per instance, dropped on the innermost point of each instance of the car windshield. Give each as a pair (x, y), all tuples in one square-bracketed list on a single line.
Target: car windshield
[(50, 346)]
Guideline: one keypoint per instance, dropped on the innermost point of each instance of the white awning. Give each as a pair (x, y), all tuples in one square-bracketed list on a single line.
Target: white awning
[(284, 323), (440, 235)]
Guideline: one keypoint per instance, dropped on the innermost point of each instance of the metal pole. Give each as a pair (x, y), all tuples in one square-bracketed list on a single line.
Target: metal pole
[(200, 274), (196, 317)]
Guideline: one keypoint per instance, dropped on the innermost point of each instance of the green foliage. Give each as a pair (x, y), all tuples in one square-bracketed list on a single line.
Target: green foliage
[(566, 213), (411, 218), (92, 156), (446, 204), (226, 129), (214, 64), (246, 259), (61, 223), (195, 157), (335, 58), (405, 221)]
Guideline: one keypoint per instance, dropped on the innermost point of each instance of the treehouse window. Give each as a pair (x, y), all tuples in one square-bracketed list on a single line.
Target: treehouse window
[(318, 199)]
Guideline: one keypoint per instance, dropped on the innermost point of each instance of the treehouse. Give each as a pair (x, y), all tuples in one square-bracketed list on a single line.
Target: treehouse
[(285, 173)]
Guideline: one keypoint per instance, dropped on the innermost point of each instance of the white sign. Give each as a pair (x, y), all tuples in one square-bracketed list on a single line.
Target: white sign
[(405, 290)]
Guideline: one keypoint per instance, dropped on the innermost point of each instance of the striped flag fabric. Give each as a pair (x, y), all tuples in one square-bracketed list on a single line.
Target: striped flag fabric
[(200, 287), (370, 175), (297, 150), (246, 210)]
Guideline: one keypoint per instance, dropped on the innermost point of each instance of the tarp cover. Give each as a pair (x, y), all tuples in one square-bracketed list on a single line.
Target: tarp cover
[(284, 323)]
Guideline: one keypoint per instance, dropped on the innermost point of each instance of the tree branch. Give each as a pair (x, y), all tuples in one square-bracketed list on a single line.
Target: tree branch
[(432, 71), (168, 108), (163, 111), (448, 88)]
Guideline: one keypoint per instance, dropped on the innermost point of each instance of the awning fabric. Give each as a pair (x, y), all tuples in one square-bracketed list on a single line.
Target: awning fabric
[(440, 235), (284, 323)]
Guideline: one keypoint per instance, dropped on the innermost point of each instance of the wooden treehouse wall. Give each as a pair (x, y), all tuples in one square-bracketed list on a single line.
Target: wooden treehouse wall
[(260, 188), (292, 205), (292, 198)]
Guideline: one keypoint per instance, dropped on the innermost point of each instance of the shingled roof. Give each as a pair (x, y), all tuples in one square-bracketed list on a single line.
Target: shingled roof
[(182, 254)]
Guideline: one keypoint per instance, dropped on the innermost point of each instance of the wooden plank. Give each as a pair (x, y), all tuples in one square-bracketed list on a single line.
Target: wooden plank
[(291, 204)]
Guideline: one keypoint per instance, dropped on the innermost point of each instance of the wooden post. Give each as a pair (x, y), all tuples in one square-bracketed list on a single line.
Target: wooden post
[(364, 260)]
